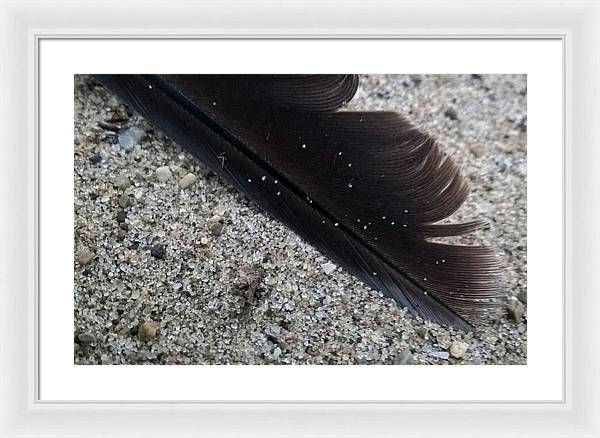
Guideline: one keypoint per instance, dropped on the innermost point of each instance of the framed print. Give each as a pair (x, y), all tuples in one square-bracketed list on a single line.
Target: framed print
[(335, 221)]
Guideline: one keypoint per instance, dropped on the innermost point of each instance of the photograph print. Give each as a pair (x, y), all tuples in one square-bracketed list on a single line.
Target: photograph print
[(323, 219)]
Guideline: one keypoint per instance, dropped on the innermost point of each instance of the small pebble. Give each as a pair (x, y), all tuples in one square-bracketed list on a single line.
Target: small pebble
[(458, 349), (422, 332), (85, 256), (328, 267), (522, 296), (405, 357), (138, 194), (121, 216), (163, 174), (476, 150), (220, 211), (440, 354), (122, 182), (86, 338), (276, 353), (516, 310), (451, 114), (158, 251), (187, 180), (96, 159), (147, 330), (205, 241), (124, 201), (216, 228)]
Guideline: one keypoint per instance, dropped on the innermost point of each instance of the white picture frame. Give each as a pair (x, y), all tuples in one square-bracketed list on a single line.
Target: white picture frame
[(25, 24)]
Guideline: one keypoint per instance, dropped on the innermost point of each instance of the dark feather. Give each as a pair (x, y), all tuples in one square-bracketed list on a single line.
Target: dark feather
[(365, 188)]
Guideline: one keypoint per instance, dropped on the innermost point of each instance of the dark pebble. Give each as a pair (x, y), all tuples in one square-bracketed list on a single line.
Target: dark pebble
[(476, 77), (158, 251), (216, 228), (96, 158), (93, 196), (422, 332), (416, 80), (86, 339), (124, 226), (124, 201), (121, 216), (451, 114), (122, 234)]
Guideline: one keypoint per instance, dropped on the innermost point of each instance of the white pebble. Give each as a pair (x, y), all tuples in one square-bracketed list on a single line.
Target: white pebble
[(122, 182), (187, 180), (328, 267), (458, 349), (440, 354), (163, 174)]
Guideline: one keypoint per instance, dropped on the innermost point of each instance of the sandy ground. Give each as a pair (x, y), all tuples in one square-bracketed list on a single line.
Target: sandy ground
[(199, 275)]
